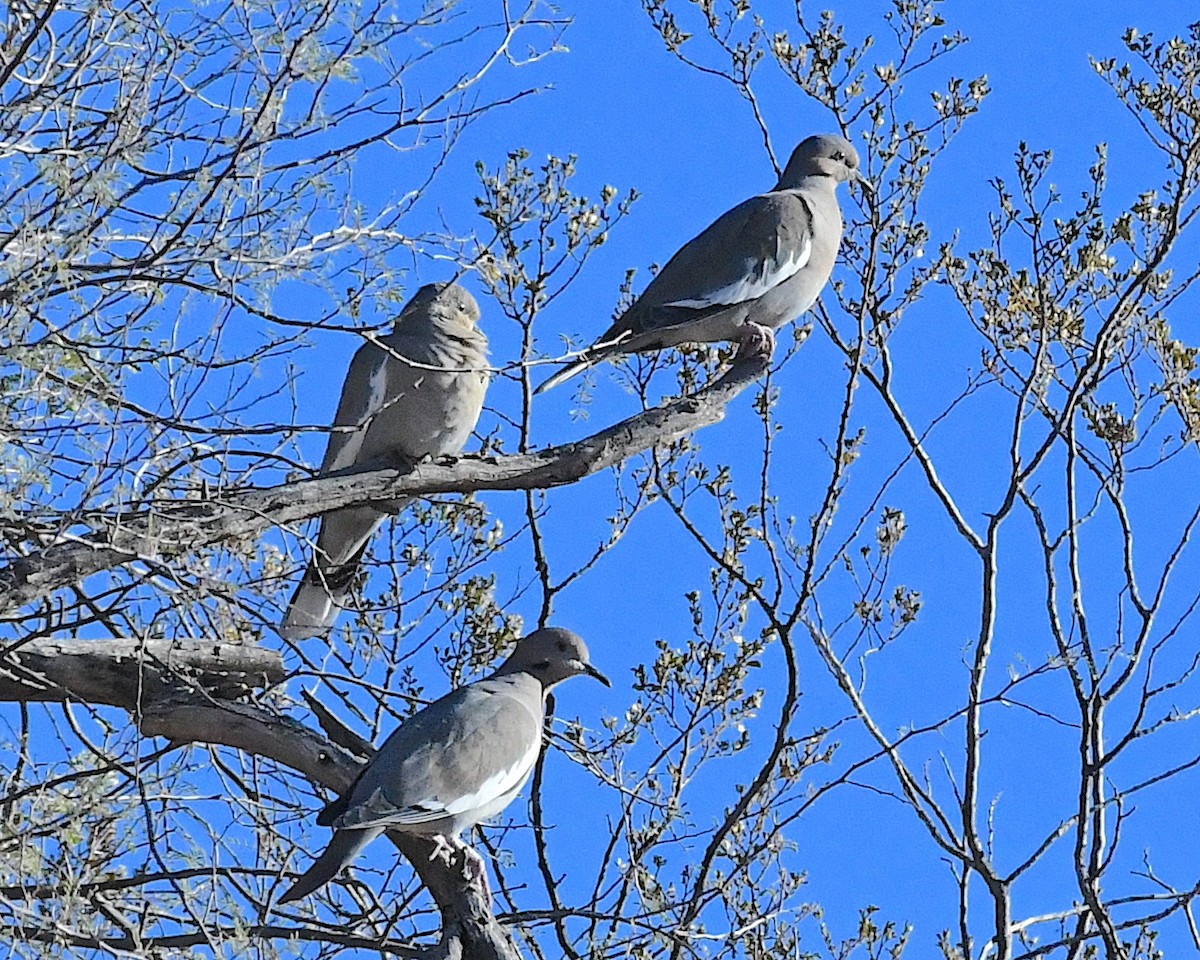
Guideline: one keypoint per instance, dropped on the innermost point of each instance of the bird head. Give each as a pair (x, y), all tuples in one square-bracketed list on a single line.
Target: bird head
[(823, 155), (552, 655), (445, 299)]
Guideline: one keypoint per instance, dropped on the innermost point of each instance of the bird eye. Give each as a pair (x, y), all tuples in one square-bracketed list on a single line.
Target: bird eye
[(839, 155), (562, 646)]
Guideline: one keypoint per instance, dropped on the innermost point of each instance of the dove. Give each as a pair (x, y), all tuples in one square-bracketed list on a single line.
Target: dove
[(754, 269), (413, 395), (458, 761)]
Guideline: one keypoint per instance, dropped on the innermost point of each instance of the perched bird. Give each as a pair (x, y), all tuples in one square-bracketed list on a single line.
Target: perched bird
[(755, 268), (415, 394), (458, 761)]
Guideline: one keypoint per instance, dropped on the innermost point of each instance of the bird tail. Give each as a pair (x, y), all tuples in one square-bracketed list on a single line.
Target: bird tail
[(606, 347), (312, 610), (343, 848), (327, 581), (566, 373)]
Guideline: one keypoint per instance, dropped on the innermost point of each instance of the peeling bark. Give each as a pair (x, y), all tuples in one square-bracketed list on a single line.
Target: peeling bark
[(132, 673)]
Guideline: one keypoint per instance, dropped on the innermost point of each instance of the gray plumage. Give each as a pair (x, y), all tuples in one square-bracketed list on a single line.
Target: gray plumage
[(755, 268), (455, 763), (393, 413)]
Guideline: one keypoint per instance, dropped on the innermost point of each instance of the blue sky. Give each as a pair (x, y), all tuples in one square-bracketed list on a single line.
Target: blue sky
[(635, 117)]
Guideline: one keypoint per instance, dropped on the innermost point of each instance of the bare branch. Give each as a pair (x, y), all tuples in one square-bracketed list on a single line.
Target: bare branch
[(131, 673), (169, 529)]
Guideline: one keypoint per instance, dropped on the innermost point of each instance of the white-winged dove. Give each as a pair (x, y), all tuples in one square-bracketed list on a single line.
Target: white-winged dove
[(755, 268), (414, 395), (456, 762)]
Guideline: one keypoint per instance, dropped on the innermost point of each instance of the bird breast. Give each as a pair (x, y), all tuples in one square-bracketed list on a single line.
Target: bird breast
[(436, 399)]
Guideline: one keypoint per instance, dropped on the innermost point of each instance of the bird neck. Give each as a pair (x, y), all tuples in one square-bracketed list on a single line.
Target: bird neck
[(809, 182), (521, 680)]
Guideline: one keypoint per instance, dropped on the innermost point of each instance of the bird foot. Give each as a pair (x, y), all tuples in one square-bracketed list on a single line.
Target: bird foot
[(755, 340), (443, 848), (474, 870)]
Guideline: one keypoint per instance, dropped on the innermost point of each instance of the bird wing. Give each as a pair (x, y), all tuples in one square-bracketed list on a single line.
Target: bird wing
[(460, 754), (363, 395), (434, 382), (747, 251)]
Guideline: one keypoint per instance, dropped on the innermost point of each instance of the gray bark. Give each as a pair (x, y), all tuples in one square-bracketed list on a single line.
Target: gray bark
[(132, 673), (187, 691), (159, 531)]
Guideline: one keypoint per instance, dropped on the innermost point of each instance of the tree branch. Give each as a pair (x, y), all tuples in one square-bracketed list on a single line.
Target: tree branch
[(469, 930), (167, 529), (131, 673)]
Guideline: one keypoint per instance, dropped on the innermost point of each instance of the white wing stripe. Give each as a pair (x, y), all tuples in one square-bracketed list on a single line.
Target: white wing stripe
[(752, 287), (377, 389), (495, 786)]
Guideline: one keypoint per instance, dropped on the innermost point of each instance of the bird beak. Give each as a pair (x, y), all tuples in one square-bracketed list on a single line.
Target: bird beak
[(593, 672), (867, 186)]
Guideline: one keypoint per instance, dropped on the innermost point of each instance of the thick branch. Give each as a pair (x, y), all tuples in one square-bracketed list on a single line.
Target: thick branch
[(469, 930), (177, 690), (165, 530), (133, 673)]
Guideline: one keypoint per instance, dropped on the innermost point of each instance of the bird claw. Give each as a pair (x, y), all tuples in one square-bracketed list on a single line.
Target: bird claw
[(756, 341), (443, 848), (474, 870)]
